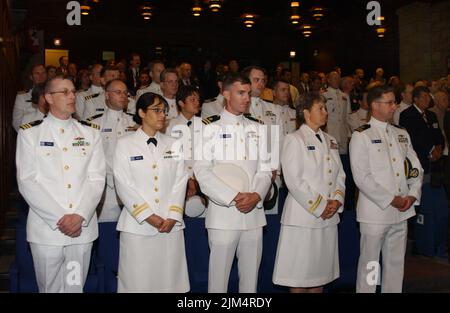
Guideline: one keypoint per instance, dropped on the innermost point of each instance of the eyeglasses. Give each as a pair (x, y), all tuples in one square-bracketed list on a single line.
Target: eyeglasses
[(159, 110), (120, 92), (65, 92), (388, 102)]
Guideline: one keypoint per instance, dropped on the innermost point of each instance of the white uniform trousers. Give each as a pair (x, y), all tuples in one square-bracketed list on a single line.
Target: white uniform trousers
[(61, 268), (224, 245), (391, 241)]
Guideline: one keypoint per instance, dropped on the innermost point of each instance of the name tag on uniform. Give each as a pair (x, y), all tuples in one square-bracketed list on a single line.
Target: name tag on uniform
[(224, 135), (311, 147), (106, 130), (376, 141), (100, 109), (136, 158), (47, 143)]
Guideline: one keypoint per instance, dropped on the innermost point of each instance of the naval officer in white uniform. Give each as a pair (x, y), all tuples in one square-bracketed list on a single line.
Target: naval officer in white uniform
[(307, 255), (234, 219), (151, 179), (389, 177), (61, 175), (114, 123)]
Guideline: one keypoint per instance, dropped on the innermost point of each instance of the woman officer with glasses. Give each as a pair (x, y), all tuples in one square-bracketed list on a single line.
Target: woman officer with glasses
[(151, 179)]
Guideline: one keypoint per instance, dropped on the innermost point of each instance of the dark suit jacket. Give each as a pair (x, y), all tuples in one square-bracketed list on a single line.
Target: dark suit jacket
[(130, 81), (423, 135)]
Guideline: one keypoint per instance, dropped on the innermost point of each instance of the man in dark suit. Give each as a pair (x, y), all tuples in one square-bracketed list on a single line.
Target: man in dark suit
[(132, 73), (428, 142)]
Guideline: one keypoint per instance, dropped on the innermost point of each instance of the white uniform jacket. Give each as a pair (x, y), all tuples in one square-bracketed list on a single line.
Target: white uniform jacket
[(213, 107), (176, 131), (113, 125), (153, 87), (149, 180), (288, 116), (339, 109), (83, 96), (60, 170), (22, 106), (314, 174), (377, 155), (222, 213)]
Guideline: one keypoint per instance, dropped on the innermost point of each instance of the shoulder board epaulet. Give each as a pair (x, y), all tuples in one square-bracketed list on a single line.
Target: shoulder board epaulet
[(130, 114), (22, 92), (209, 100), (398, 126), (91, 96), (89, 119), (31, 124), (95, 126), (211, 119), (363, 128), (254, 119), (267, 100)]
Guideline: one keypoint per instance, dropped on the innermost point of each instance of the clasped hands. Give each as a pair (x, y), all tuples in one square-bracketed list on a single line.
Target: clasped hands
[(403, 203), (70, 225), (330, 209), (246, 201), (162, 225)]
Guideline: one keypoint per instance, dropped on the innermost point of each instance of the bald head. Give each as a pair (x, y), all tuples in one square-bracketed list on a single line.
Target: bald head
[(334, 79)]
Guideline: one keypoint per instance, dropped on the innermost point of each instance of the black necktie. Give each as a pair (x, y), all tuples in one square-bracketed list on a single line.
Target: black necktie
[(318, 137), (153, 141), (189, 123)]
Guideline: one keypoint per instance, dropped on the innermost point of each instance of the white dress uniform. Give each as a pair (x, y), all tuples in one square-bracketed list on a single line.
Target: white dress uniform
[(95, 104), (60, 170), (231, 232), (150, 180), (307, 253), (176, 131), (83, 96), (173, 110), (357, 119), (271, 115), (401, 107), (113, 125), (288, 116), (153, 87), (22, 106), (213, 107), (378, 152), (339, 109), (32, 116)]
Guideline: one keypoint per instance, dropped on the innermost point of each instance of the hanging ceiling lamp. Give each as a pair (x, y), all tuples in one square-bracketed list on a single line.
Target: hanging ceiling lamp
[(196, 9), (215, 5), (146, 12), (248, 19), (85, 8), (318, 12), (295, 16), (381, 29), (306, 30)]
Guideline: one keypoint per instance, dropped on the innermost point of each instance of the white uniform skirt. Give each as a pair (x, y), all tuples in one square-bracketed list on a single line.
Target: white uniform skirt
[(306, 257), (153, 263)]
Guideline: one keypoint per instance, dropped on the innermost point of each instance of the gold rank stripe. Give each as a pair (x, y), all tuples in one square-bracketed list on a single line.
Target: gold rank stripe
[(338, 192), (25, 126), (138, 210), (176, 209), (315, 205)]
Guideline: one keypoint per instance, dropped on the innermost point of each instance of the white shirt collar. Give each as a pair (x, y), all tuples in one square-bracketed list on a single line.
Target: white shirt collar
[(58, 122), (418, 109), (231, 117), (377, 123)]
